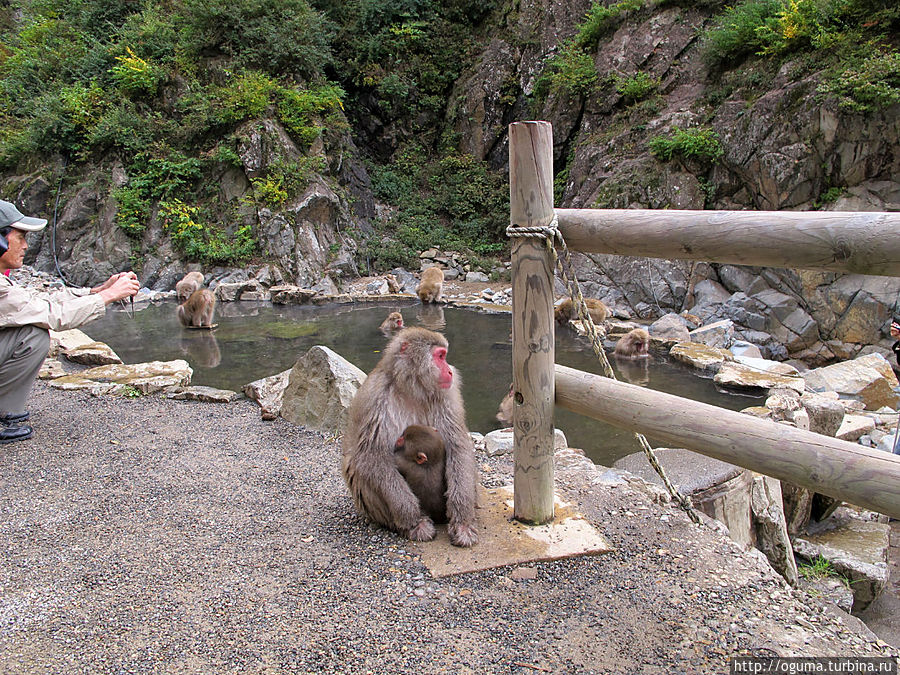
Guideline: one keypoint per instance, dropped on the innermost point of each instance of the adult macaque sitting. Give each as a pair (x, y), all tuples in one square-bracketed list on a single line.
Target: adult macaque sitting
[(27, 317), (412, 384)]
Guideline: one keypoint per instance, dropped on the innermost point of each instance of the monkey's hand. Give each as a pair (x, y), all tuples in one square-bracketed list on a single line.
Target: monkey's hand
[(462, 534), (423, 531)]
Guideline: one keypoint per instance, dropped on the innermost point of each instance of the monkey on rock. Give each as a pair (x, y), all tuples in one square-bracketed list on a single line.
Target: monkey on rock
[(412, 384)]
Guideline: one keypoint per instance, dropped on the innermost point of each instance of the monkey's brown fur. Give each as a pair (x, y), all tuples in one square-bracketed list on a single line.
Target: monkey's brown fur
[(431, 285), (191, 282), (392, 323), (505, 411), (419, 456), (565, 311), (198, 309), (404, 389), (633, 345)]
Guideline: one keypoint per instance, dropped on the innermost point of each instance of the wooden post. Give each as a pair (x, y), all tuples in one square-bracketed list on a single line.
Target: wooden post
[(531, 205), (846, 471)]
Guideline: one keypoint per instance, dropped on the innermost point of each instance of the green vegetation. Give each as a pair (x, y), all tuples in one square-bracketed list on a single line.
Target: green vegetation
[(163, 85), (637, 87), (130, 391), (600, 20), (400, 58), (697, 143), (853, 41), (174, 90), (572, 69), (820, 568), (873, 84), (452, 203)]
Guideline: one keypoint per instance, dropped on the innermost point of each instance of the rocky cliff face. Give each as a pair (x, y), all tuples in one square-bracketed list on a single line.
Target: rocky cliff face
[(784, 148)]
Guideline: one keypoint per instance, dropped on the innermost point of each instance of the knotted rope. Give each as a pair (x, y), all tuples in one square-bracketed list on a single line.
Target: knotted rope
[(550, 233)]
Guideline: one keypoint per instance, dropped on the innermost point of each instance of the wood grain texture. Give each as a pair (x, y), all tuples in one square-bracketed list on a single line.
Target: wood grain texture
[(846, 471), (859, 242), (531, 205)]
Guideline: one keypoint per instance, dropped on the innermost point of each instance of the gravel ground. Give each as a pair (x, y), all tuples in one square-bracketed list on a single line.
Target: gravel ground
[(149, 535)]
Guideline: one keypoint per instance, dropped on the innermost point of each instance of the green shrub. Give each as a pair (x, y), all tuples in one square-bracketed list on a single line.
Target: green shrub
[(599, 20), (637, 87), (453, 203), (170, 173), (734, 34), (572, 71), (283, 180), (274, 36), (225, 154), (697, 143), (305, 112), (246, 96), (873, 85), (132, 210), (205, 243), (834, 28), (122, 126), (136, 76)]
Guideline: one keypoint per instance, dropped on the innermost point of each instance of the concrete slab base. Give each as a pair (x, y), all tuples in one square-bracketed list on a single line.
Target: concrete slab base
[(504, 541)]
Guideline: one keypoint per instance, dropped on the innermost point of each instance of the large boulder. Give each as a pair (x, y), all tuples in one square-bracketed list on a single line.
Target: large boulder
[(825, 413), (670, 327), (719, 489), (742, 376), (700, 356), (65, 340), (717, 334), (320, 388), (269, 393), (869, 379)]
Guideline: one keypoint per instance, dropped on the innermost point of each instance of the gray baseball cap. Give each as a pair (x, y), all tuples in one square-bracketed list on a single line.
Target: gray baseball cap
[(10, 216)]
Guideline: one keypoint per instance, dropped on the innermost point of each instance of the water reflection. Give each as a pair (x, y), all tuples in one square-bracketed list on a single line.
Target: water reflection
[(201, 347), (255, 339), (431, 316), (633, 371)]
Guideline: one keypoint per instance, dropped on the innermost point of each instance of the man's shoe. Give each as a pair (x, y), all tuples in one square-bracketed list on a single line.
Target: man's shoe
[(12, 434), (14, 418)]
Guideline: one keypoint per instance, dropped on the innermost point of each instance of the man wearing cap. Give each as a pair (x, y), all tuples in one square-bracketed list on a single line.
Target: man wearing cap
[(26, 318)]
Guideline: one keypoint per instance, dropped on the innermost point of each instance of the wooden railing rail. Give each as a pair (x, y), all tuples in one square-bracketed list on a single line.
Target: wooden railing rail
[(863, 243)]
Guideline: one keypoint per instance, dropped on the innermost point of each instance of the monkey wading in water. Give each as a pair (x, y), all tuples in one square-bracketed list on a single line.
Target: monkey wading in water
[(412, 384), (419, 456), (431, 285), (633, 345), (197, 310), (392, 323)]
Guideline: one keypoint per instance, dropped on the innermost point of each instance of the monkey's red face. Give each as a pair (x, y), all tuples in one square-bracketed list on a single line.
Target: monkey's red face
[(445, 375)]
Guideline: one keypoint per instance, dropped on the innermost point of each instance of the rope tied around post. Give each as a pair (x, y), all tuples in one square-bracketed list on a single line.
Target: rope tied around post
[(550, 233)]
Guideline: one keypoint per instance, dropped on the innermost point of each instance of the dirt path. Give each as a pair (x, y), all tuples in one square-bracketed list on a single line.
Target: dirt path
[(149, 535)]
